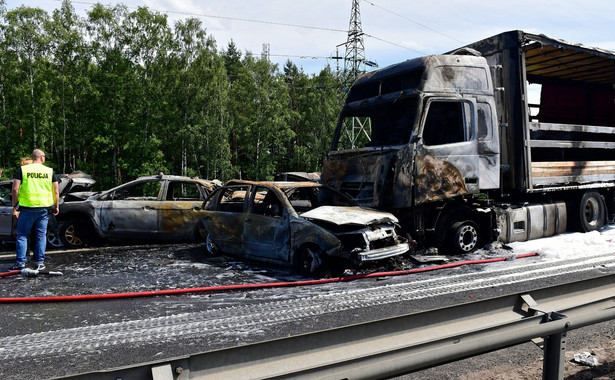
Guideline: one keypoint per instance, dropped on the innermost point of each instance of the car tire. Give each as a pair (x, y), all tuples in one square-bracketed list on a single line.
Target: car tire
[(210, 247), (72, 233), (310, 262), (462, 237), (53, 238)]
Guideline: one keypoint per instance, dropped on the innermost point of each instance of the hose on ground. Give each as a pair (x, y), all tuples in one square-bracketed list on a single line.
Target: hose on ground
[(222, 288)]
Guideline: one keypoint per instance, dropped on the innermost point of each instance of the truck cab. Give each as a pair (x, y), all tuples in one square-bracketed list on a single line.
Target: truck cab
[(453, 145), (416, 134)]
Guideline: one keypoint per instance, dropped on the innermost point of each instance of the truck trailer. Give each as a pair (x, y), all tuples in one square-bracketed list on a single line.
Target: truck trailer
[(510, 138)]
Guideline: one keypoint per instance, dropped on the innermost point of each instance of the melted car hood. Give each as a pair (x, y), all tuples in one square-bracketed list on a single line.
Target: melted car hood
[(349, 216)]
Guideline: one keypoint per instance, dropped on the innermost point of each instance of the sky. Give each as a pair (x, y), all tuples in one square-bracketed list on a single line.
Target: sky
[(308, 32)]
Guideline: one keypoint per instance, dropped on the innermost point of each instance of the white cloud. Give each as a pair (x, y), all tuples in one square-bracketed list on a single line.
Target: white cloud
[(429, 27)]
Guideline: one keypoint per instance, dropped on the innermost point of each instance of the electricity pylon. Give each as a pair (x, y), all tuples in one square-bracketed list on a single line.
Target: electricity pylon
[(355, 129)]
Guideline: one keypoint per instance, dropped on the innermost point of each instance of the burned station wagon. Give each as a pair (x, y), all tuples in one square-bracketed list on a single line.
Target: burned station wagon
[(161, 207), (302, 224)]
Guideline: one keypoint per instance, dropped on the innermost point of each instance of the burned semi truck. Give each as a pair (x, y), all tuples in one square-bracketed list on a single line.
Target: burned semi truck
[(510, 138)]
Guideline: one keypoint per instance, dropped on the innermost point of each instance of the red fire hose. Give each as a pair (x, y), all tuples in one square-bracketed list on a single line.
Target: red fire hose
[(87, 297)]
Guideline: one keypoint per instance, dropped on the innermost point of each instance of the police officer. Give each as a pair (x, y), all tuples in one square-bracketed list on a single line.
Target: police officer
[(35, 196)]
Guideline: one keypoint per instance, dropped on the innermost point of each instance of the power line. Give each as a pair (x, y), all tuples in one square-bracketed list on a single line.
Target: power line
[(233, 18), (300, 56), (412, 21), (270, 23), (394, 44)]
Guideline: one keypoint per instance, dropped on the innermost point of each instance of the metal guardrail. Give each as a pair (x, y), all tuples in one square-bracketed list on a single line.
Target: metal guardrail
[(396, 346)]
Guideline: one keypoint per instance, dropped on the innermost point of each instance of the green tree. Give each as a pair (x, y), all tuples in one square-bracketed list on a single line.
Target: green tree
[(264, 130), (27, 40), (235, 70), (113, 82), (190, 41), (8, 67), (67, 49), (313, 110), (120, 94), (148, 38)]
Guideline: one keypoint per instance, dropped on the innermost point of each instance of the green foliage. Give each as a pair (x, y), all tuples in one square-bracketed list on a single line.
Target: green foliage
[(119, 94)]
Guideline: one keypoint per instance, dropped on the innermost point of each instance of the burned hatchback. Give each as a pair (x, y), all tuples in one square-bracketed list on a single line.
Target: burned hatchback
[(161, 207), (302, 224)]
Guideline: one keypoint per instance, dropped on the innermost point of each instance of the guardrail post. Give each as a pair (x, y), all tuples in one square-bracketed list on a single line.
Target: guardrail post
[(554, 352), (162, 372)]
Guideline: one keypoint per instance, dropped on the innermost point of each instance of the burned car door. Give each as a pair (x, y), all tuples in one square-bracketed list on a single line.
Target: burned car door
[(179, 211), (223, 218), (131, 210), (266, 228), (7, 222)]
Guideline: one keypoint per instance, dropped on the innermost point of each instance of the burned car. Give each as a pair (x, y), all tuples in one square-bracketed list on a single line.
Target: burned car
[(68, 184), (161, 207), (302, 224)]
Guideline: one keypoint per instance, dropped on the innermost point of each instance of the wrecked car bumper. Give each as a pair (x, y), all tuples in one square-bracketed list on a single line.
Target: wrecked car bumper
[(383, 253), (372, 243)]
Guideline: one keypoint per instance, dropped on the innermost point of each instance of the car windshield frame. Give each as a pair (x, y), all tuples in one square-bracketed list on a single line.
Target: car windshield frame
[(375, 125), (312, 203)]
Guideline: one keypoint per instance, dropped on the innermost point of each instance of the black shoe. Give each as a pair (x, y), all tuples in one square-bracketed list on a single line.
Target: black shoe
[(39, 267), (18, 267)]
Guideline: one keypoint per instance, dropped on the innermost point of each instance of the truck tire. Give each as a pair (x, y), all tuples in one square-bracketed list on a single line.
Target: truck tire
[(592, 211), (462, 237), (73, 233)]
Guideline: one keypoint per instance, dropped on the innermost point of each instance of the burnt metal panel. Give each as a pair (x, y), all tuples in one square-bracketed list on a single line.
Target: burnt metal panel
[(227, 227), (503, 52), (437, 179), (360, 175), (548, 57), (179, 218), (349, 216)]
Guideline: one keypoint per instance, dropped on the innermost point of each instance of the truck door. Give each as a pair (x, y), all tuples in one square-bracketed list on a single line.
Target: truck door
[(447, 161)]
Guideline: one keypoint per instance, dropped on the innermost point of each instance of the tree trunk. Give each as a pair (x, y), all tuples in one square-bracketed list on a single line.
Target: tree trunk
[(65, 126), (33, 108)]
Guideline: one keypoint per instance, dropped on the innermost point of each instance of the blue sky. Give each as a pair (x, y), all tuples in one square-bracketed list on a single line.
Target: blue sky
[(307, 32)]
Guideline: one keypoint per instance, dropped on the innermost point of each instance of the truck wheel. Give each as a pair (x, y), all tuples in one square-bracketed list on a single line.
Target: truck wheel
[(72, 233), (462, 237), (592, 211)]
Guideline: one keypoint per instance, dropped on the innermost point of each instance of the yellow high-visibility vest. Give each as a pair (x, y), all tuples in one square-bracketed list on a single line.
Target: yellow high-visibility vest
[(36, 188)]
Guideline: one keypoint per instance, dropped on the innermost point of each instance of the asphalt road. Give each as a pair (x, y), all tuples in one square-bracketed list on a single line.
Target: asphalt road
[(54, 339)]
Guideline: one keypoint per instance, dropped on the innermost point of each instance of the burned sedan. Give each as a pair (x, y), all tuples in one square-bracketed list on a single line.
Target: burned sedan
[(161, 207), (302, 224)]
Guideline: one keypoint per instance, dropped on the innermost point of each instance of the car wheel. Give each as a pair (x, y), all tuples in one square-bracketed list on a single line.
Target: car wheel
[(72, 233), (211, 247), (462, 237), (310, 262), (53, 238)]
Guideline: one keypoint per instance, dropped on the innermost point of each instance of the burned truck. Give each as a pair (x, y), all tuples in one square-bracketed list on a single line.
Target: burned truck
[(510, 138)]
